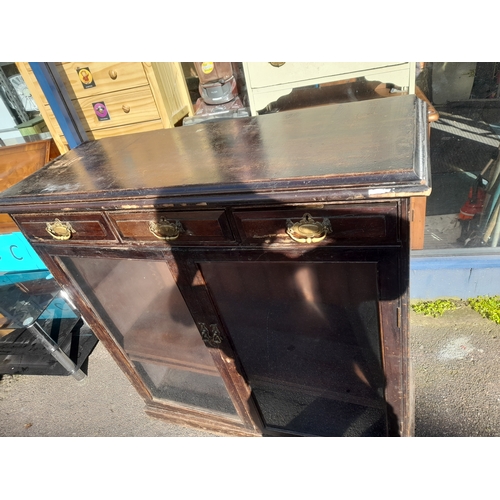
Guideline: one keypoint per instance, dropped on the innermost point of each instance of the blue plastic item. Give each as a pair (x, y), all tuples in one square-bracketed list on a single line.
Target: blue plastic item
[(16, 254)]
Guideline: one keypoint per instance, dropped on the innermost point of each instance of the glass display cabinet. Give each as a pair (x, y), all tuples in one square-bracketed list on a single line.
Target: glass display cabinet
[(249, 276)]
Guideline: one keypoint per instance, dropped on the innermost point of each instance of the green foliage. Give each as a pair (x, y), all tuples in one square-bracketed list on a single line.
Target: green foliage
[(487, 307), (434, 308)]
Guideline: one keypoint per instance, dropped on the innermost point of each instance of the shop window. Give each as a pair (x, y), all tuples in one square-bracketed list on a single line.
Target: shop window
[(20, 118), (463, 208)]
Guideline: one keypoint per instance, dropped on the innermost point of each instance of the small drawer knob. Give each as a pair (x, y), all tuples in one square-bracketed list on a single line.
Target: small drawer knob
[(126, 109), (113, 74)]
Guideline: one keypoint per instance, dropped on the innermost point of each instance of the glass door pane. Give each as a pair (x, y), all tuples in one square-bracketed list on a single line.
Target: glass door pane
[(143, 309), (307, 335)]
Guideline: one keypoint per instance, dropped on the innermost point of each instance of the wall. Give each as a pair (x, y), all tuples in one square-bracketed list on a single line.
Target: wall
[(460, 276)]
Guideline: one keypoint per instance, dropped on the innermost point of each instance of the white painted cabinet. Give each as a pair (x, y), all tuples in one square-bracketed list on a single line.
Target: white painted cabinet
[(266, 82)]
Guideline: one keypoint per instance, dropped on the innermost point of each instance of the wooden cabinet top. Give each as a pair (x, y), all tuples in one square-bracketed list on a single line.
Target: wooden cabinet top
[(358, 150)]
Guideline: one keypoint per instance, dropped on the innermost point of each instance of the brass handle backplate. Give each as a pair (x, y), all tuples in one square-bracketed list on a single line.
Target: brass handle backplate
[(166, 230), (307, 230), (59, 230)]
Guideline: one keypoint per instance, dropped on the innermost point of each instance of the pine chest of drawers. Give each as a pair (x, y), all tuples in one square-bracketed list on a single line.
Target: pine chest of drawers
[(116, 98)]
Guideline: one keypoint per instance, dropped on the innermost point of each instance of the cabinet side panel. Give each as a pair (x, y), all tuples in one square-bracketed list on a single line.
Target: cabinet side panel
[(170, 90)]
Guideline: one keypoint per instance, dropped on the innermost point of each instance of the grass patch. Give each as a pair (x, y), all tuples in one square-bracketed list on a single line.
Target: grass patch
[(434, 308), (487, 307)]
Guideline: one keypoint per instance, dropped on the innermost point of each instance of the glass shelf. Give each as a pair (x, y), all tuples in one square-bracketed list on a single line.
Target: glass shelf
[(24, 297), (32, 306)]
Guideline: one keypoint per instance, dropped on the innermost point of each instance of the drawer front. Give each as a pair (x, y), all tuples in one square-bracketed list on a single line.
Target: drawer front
[(342, 225), (103, 77), (132, 128), (71, 228), (262, 74), (173, 228), (100, 133), (120, 108)]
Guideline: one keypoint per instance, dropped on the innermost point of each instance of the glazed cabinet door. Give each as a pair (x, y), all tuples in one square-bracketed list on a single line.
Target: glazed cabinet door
[(137, 304), (316, 336)]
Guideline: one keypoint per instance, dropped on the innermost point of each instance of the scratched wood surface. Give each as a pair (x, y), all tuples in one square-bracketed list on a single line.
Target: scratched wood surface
[(370, 143)]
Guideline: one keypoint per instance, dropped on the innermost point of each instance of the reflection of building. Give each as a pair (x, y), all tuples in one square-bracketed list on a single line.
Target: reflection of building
[(16, 104), (8, 129)]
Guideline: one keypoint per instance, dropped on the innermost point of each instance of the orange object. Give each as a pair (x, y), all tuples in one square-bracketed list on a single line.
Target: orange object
[(474, 204)]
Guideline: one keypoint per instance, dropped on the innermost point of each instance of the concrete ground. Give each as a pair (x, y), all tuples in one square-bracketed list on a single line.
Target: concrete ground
[(456, 370), (457, 374)]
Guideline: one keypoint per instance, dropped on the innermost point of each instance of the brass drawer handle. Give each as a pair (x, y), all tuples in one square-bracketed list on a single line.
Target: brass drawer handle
[(60, 230), (166, 230), (113, 74), (126, 109), (276, 64), (307, 230)]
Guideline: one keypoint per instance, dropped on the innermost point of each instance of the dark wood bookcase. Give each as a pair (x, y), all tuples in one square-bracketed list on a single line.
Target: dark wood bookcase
[(249, 276)]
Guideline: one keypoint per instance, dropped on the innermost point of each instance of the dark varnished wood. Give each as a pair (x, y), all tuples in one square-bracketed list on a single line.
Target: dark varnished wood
[(197, 227), (87, 227), (352, 224), (193, 419), (232, 186), (369, 143), (192, 286)]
